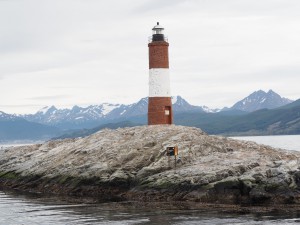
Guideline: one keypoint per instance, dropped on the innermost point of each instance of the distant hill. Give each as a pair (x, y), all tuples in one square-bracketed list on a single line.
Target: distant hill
[(15, 128), (87, 132), (260, 100), (282, 120)]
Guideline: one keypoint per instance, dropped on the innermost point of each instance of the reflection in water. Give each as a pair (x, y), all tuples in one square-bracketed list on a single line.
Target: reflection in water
[(23, 209)]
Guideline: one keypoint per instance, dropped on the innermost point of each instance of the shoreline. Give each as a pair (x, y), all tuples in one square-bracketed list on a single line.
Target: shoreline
[(92, 190), (163, 205)]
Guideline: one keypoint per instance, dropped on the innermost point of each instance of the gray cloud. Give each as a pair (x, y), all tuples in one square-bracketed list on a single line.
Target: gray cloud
[(93, 51)]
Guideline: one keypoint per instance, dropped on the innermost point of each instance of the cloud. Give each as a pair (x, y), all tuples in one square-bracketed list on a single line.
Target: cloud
[(95, 51), (53, 97)]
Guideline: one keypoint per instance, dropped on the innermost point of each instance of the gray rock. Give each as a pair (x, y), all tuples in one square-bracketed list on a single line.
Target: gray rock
[(131, 163)]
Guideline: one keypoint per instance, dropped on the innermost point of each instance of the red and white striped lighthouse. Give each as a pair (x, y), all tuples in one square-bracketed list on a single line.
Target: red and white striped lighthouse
[(160, 104)]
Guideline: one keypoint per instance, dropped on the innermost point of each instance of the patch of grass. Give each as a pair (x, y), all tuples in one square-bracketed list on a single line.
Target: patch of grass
[(9, 175)]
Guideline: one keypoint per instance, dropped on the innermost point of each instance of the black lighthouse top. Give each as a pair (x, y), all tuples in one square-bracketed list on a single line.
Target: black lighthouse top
[(158, 33)]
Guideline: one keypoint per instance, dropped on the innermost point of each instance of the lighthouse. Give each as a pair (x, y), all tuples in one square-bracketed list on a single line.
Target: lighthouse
[(160, 104)]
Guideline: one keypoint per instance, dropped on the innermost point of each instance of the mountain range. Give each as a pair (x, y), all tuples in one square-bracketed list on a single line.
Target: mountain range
[(79, 117), (88, 119), (283, 120), (261, 100)]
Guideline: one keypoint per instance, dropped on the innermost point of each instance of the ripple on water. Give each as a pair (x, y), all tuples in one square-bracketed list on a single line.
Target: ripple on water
[(23, 209)]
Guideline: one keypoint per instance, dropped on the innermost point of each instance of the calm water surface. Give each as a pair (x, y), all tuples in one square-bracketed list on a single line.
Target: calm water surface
[(16, 208), (24, 209), (289, 142)]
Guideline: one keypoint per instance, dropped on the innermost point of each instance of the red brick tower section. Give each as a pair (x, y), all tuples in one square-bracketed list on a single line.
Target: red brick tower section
[(160, 104)]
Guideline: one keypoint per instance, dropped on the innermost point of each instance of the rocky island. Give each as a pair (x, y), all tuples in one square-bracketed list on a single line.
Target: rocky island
[(131, 164)]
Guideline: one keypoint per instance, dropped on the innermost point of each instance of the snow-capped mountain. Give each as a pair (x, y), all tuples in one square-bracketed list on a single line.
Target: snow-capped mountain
[(181, 105), (126, 111), (36, 126), (91, 115), (8, 117), (76, 115), (261, 100), (210, 110)]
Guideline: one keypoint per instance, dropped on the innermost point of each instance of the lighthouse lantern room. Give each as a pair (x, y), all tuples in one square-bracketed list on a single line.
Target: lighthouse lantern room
[(160, 104)]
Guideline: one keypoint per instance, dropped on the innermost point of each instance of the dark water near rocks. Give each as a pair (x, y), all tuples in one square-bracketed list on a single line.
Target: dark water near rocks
[(24, 209), (33, 210)]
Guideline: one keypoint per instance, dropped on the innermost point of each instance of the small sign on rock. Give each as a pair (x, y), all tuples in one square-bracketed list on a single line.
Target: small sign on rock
[(172, 151)]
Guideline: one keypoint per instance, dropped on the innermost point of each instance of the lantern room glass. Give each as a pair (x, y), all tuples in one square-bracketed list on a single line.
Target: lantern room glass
[(158, 30)]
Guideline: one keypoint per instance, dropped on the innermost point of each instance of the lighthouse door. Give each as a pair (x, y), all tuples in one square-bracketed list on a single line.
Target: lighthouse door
[(168, 114)]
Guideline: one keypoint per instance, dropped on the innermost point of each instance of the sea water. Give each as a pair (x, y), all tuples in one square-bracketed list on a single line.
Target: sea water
[(289, 142), (37, 210)]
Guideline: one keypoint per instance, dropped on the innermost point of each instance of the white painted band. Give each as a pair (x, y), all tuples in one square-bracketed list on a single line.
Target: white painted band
[(159, 83)]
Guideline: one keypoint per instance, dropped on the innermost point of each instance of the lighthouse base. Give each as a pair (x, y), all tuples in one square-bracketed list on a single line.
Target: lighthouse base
[(160, 111)]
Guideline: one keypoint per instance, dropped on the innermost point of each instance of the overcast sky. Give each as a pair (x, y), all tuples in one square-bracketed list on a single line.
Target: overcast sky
[(82, 52)]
